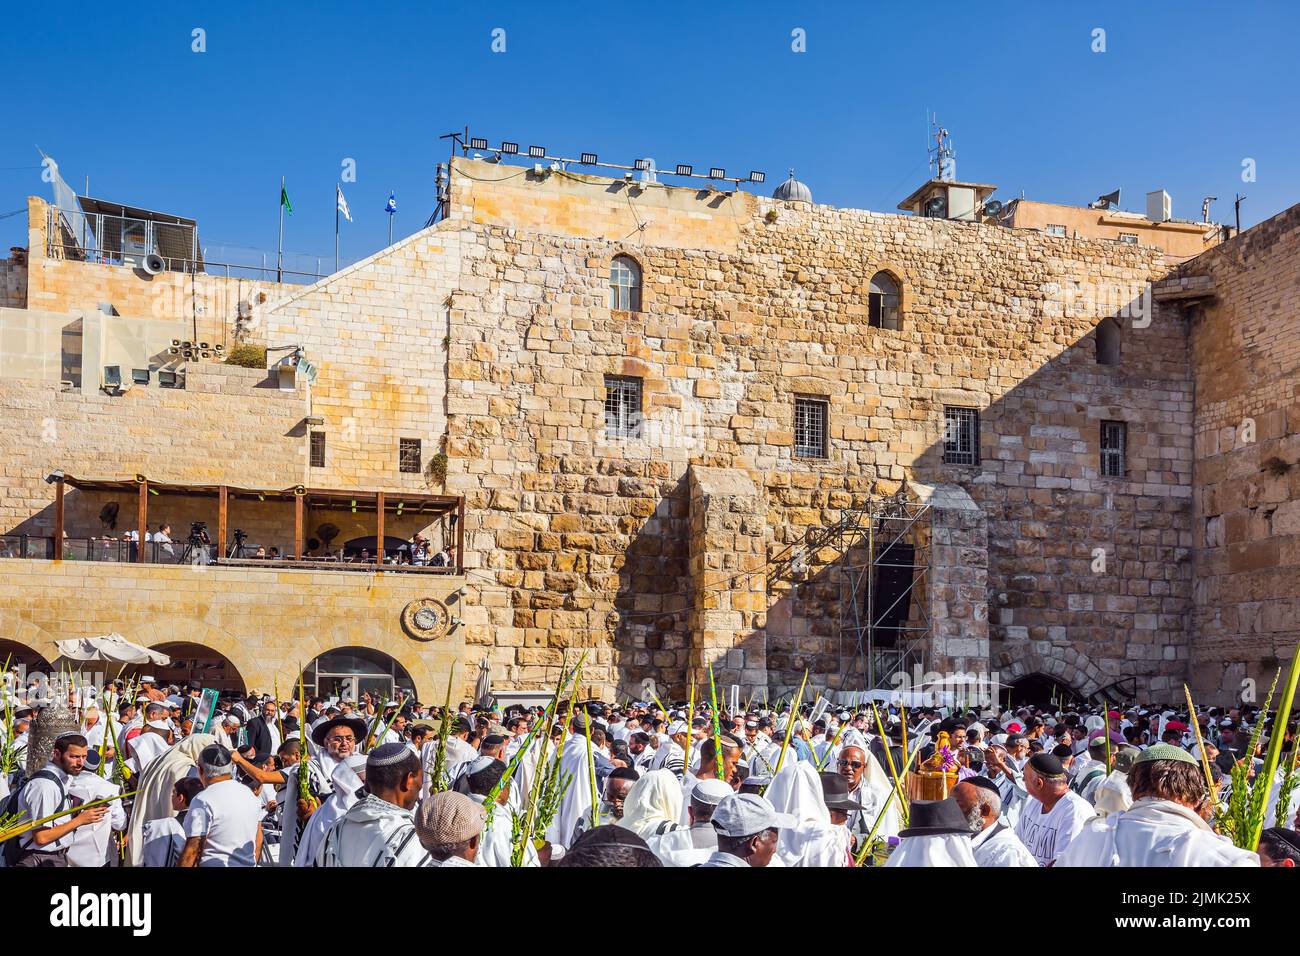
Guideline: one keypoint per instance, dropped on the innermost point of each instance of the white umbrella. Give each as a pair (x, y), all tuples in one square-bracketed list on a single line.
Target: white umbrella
[(111, 648), (483, 686)]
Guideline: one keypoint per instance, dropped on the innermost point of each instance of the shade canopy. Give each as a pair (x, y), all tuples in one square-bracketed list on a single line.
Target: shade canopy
[(110, 648)]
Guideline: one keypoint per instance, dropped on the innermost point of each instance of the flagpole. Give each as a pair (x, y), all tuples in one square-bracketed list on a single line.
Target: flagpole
[(279, 252), (337, 190)]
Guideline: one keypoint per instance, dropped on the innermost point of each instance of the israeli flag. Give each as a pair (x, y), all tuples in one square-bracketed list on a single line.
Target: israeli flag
[(342, 203), (390, 207)]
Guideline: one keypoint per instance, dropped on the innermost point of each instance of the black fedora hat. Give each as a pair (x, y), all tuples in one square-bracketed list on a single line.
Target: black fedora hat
[(835, 793), (323, 727), (935, 818)]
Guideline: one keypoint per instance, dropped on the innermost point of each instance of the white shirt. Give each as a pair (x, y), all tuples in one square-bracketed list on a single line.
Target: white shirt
[(1154, 833), (90, 843), (164, 839), (38, 799), (226, 813), (1047, 835), (999, 846)]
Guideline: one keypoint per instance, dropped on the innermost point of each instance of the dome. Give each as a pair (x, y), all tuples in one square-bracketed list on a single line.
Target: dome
[(792, 190)]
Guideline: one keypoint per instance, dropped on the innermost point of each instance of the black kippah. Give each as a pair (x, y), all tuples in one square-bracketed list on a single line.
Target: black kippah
[(984, 783), (1046, 765)]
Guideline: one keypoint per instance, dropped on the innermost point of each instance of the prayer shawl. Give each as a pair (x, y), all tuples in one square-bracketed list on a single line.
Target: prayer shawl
[(320, 777), (457, 753), (578, 798), (813, 840), (373, 833), (154, 801), (150, 744), (653, 806), (999, 846), (90, 843), (685, 846), (1153, 833), (948, 849), (1113, 795), (345, 783), (495, 845)]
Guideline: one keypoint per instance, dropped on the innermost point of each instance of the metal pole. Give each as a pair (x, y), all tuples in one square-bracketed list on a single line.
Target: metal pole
[(279, 253), (337, 188)]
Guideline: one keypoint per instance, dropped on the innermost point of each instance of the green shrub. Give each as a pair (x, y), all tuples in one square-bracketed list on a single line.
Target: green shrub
[(247, 356)]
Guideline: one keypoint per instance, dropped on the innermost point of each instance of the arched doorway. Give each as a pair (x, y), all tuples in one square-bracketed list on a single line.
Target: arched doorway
[(24, 658), (196, 664), (1040, 690), (349, 672)]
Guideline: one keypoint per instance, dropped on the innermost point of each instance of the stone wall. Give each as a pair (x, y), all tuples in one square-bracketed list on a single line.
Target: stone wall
[(566, 521), (268, 623), (1245, 349)]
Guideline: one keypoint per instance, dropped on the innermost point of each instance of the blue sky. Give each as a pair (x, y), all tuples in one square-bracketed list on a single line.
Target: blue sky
[(1183, 93)]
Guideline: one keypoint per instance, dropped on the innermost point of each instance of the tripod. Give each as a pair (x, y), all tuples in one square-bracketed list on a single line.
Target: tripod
[(237, 547), (196, 551)]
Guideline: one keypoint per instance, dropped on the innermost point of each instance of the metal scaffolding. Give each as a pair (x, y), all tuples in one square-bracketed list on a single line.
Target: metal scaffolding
[(882, 630)]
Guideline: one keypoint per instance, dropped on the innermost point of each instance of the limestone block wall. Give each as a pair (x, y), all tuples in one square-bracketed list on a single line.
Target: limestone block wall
[(584, 528), (1245, 350), (267, 623)]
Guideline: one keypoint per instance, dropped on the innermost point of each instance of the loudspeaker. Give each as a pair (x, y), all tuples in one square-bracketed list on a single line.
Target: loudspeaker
[(892, 598), (153, 264)]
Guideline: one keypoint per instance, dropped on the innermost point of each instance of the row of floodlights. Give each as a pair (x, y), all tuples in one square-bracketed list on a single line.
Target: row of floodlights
[(191, 350), (591, 159)]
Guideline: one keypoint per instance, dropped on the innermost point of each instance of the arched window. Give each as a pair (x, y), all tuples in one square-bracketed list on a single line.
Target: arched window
[(1108, 342), (883, 301), (625, 284)]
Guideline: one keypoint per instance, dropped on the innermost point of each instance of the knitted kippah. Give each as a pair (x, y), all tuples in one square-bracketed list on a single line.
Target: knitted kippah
[(385, 755)]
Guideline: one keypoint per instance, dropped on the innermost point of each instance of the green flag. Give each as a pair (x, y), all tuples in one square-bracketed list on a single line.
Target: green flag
[(284, 200)]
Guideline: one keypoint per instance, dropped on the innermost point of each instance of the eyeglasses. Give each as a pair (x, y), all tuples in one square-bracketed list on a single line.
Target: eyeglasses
[(855, 764), (340, 740)]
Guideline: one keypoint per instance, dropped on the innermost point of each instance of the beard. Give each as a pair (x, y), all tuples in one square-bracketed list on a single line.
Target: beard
[(975, 820)]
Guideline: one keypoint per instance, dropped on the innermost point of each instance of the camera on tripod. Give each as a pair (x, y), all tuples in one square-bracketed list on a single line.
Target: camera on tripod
[(198, 531)]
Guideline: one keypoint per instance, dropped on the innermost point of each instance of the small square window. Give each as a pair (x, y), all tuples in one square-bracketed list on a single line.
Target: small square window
[(1114, 449), (1053, 229), (622, 407), (961, 435), (810, 420), (318, 449), (408, 456), (1130, 237)]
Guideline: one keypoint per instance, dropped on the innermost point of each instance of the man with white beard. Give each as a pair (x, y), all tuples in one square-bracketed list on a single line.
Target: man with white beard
[(937, 835), (995, 843)]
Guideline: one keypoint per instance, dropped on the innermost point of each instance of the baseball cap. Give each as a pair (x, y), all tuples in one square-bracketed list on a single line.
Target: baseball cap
[(747, 814)]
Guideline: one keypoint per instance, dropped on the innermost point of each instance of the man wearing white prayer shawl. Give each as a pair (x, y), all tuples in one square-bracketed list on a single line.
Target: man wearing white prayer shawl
[(870, 787), (1164, 826), (937, 835), (1113, 794), (691, 846), (348, 778), (496, 845), (577, 800), (994, 843), (458, 751), (811, 839), (335, 740), (379, 830), (653, 805)]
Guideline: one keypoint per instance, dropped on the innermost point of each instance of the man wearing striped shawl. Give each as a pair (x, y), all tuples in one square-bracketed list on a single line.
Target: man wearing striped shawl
[(379, 831)]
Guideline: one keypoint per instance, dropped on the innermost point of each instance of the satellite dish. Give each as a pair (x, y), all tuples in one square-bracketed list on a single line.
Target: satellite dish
[(992, 208)]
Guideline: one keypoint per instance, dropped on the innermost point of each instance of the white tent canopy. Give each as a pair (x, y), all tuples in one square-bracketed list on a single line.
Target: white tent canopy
[(112, 649)]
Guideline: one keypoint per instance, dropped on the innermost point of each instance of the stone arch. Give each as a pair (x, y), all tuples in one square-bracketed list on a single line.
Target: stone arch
[(1061, 663), (16, 630)]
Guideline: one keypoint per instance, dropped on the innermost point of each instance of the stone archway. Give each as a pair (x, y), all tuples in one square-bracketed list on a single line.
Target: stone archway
[(1060, 663), (21, 633)]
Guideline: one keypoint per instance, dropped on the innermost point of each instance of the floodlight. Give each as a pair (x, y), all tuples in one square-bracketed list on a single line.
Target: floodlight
[(717, 172), (683, 170), (642, 164), (757, 176), (510, 149), (477, 143), (588, 159), (537, 152)]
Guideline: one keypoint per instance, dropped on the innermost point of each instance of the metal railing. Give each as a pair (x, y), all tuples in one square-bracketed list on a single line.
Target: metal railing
[(120, 240), (125, 551)]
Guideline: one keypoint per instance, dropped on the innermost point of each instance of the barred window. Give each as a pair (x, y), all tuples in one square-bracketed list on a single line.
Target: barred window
[(883, 302), (810, 420), (408, 456), (961, 435), (1130, 237), (1114, 449), (625, 284), (318, 449), (1054, 230), (622, 407)]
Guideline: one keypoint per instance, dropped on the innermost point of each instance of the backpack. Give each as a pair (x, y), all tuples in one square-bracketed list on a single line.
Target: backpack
[(12, 849)]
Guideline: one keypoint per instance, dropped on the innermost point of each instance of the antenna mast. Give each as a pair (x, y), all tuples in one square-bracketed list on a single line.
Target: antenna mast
[(942, 155)]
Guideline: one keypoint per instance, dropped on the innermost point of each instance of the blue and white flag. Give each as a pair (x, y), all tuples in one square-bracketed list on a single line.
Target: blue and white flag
[(390, 207), (342, 203)]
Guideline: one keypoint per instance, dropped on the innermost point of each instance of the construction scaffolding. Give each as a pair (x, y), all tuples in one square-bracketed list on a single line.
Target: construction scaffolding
[(884, 617)]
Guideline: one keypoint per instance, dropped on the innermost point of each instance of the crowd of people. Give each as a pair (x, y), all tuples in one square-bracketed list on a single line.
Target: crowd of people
[(399, 783)]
